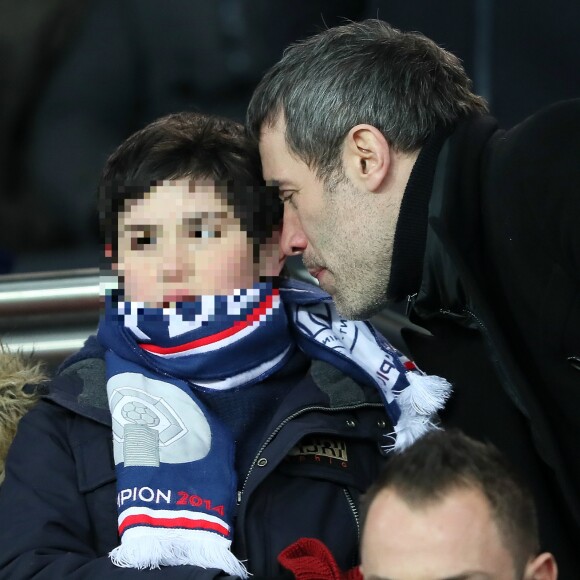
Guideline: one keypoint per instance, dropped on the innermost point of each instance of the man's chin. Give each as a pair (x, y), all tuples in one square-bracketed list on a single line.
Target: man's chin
[(325, 281), (351, 311)]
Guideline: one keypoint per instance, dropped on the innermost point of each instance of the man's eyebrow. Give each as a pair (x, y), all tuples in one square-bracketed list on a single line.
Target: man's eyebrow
[(279, 183)]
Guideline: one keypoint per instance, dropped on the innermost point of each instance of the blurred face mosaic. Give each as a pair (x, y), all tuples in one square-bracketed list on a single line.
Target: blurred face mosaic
[(182, 241)]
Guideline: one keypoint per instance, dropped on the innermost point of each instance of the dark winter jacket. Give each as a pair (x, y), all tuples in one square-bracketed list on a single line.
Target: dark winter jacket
[(497, 285), (58, 501)]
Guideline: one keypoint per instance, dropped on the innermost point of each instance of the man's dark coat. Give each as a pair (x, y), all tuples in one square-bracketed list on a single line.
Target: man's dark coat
[(500, 293)]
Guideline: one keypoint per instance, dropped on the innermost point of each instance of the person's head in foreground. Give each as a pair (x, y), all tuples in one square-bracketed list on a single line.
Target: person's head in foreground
[(449, 508), (184, 211), (341, 120)]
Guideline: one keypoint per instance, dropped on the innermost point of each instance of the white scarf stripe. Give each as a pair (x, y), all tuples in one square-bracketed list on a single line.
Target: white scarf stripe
[(244, 378)]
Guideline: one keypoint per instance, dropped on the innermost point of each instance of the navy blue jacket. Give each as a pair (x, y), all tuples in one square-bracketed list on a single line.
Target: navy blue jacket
[(58, 501)]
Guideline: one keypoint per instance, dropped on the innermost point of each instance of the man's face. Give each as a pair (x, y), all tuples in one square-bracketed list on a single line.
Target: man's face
[(181, 241), (345, 243), (452, 539)]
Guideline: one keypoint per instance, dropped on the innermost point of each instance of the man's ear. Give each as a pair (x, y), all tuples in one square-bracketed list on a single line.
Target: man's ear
[(367, 156), (543, 567)]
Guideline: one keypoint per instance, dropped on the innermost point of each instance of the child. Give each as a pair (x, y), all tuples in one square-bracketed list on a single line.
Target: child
[(220, 414)]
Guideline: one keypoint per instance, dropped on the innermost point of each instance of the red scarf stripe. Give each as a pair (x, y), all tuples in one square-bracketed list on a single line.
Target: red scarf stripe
[(198, 524), (237, 326)]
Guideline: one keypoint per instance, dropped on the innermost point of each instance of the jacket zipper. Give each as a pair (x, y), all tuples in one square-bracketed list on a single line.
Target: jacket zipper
[(354, 511), (273, 434), (411, 298)]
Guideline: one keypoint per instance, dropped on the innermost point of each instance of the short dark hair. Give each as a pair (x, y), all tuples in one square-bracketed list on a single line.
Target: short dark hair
[(196, 147), (444, 461), (362, 72)]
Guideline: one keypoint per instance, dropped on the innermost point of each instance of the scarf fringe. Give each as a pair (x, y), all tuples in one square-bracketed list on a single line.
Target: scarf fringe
[(424, 396), (408, 430), (411, 398), (419, 403), (151, 551)]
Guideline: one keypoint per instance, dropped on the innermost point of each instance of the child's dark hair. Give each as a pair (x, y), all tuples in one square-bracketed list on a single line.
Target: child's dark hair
[(196, 147)]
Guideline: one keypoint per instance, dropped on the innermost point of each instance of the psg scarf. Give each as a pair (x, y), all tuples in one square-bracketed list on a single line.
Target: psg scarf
[(174, 460)]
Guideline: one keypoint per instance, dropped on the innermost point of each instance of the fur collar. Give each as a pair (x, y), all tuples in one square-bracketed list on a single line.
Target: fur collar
[(18, 374)]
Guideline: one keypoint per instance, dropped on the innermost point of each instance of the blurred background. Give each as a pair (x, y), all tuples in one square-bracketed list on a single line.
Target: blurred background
[(78, 76)]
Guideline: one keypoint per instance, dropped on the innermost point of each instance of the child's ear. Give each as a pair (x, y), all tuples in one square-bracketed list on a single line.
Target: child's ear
[(110, 261)]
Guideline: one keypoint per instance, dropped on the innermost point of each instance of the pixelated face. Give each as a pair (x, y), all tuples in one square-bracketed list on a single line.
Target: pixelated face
[(455, 537), (181, 241)]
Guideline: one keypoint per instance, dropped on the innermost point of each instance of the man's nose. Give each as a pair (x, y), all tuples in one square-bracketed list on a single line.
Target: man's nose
[(293, 240)]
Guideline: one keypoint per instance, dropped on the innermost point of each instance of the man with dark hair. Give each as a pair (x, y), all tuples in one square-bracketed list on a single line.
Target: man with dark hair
[(405, 199), (457, 510)]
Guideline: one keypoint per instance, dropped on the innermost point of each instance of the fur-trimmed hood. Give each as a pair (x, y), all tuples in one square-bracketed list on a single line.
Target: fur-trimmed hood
[(18, 375)]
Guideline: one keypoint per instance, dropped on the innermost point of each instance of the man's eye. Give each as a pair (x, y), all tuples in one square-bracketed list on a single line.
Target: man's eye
[(286, 196)]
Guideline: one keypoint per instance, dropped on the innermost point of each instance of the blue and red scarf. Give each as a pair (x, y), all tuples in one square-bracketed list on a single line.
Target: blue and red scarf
[(174, 460)]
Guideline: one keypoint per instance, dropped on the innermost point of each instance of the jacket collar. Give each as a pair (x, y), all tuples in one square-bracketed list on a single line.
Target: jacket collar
[(453, 262), (411, 229), (22, 381)]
